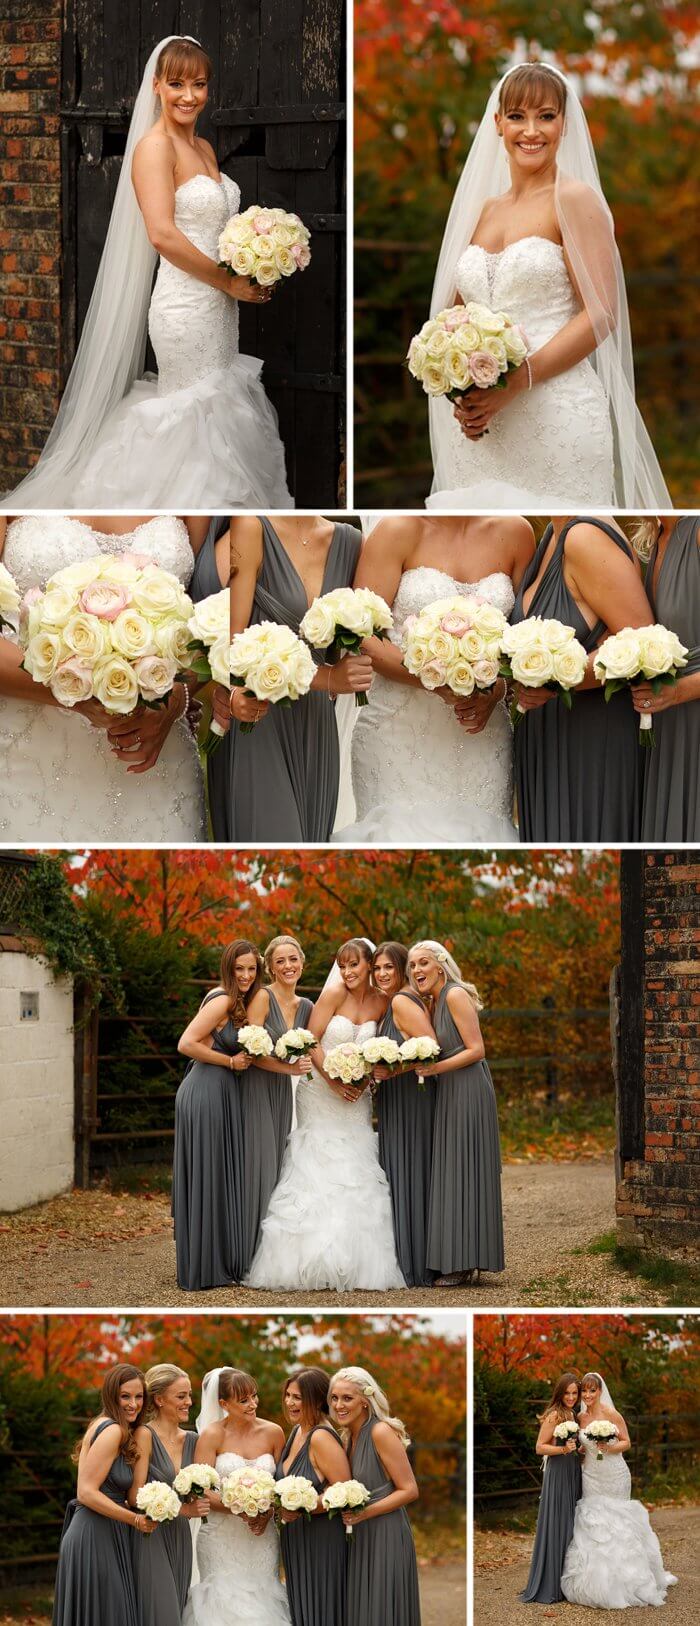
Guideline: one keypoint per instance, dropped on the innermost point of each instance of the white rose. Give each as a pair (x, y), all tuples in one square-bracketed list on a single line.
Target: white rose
[(485, 671), (158, 593), (533, 666), (72, 681), (266, 273), (460, 677), (132, 635), (172, 639), (570, 665), (472, 645), (356, 1493), (434, 380), (494, 346), (243, 261), (59, 603), (285, 261), (75, 577), (86, 636), (555, 634), (155, 675), (467, 338), (440, 646), (318, 625), (437, 343), (457, 368), (9, 594), (659, 651), (42, 655), (115, 685), (220, 661), (380, 1050), (619, 656), (211, 616), (515, 346)]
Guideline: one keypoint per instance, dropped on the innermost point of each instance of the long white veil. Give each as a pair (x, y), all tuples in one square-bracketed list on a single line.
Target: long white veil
[(605, 1394), (210, 1410), (588, 238), (112, 348)]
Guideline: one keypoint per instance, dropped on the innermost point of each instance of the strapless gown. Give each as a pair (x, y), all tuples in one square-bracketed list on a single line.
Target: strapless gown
[(239, 1582), (614, 1558)]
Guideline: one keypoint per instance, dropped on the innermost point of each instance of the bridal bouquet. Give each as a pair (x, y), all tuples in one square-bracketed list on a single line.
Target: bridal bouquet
[(195, 1481), (9, 599), (347, 1493), (565, 1431), (210, 647), (466, 347), (296, 1494), (348, 1063), (114, 628), (295, 1043), (545, 654), (265, 245), (640, 655), (339, 621), (158, 1501), (255, 1041), (270, 663), (601, 1430), (455, 642), (249, 1491)]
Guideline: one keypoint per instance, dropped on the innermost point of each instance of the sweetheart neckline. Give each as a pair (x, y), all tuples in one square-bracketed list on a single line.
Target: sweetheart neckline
[(530, 237), (200, 177), (491, 575)]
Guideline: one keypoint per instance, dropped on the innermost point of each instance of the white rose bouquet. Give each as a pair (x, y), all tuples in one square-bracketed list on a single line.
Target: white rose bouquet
[(381, 1052), (254, 1040), (194, 1481), (270, 663), (565, 1431), (265, 245), (295, 1043), (347, 1063), (249, 1491), (601, 1429), (640, 655), (466, 347), (419, 1049), (455, 642), (113, 629), (347, 1493), (296, 1494), (541, 653), (339, 621), (158, 1501), (9, 599), (209, 647)]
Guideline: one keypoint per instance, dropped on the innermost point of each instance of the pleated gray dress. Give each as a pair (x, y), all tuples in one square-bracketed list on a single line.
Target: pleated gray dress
[(205, 580), (382, 1569), (465, 1219), (267, 1105), (280, 1085), (578, 773), (314, 1551), (163, 1562), (561, 1489), (671, 807), (208, 1177), (406, 1121), (284, 775), (95, 1579)]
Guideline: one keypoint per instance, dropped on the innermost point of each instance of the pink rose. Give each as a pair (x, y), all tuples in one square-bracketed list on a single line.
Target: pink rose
[(455, 623), (302, 254), (31, 597), (456, 318), (432, 675), (105, 599), (156, 676), (484, 369), (138, 560), (263, 221)]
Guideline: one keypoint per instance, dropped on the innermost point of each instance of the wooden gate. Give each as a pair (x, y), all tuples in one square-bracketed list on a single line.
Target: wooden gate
[(276, 120)]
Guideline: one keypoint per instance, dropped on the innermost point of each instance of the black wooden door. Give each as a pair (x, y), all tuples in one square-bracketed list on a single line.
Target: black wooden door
[(276, 120)]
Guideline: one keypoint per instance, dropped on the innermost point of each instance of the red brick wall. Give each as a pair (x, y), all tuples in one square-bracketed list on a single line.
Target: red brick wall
[(659, 1192), (30, 230)]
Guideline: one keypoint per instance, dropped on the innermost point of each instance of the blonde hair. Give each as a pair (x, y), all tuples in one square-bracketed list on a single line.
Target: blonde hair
[(158, 1379), (450, 968), (375, 1397), (277, 943), (643, 532)]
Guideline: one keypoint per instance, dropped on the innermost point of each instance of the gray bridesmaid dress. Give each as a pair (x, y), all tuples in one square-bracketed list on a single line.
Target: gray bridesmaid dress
[(207, 1198), (163, 1562), (314, 1550), (95, 1580), (561, 1489), (267, 1105), (579, 772), (284, 775), (382, 1569), (406, 1121), (671, 807), (465, 1220), (205, 580)]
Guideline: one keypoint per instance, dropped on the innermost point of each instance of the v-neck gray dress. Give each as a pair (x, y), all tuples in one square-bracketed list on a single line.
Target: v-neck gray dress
[(406, 1121), (267, 1105), (579, 772), (314, 1550), (382, 1568), (208, 1170), (95, 1579), (163, 1562), (205, 581), (671, 807), (561, 1489), (465, 1219), (284, 775)]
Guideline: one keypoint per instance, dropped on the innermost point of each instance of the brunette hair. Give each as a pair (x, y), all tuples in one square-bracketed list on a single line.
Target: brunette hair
[(356, 948), (181, 56), (237, 1002), (313, 1384), (109, 1406), (398, 954), (277, 943), (530, 85), (556, 1404), (236, 1385), (158, 1379)]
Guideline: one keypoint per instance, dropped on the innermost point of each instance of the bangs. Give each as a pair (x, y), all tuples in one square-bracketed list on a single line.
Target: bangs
[(181, 57), (532, 85)]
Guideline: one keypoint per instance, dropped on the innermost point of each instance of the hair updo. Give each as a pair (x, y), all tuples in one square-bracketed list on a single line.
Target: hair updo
[(277, 942), (158, 1379), (531, 85)]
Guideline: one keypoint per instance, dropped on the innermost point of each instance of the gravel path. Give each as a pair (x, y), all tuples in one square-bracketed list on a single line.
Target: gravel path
[(91, 1249), (678, 1529), (443, 1594)]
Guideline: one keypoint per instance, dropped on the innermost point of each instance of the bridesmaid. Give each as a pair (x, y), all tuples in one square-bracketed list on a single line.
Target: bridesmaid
[(405, 1115), (163, 1565), (561, 1489), (94, 1581), (382, 1569), (314, 1551), (284, 775), (212, 570), (207, 1201), (465, 1221), (579, 772), (671, 806)]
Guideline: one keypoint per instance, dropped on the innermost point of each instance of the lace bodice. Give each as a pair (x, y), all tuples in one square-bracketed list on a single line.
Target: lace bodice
[(38, 545), (194, 328), (202, 208), (228, 1461), (341, 1030), (528, 279), (611, 1477), (423, 584), (239, 1571)]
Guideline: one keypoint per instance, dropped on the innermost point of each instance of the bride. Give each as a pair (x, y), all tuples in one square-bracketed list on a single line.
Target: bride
[(614, 1559), (530, 233), (329, 1221), (203, 435), (424, 766)]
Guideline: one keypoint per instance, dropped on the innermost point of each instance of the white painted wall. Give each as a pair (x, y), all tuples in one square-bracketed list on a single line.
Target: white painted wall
[(36, 1085)]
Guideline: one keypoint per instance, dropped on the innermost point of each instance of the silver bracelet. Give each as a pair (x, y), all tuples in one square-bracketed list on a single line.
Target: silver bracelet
[(529, 373)]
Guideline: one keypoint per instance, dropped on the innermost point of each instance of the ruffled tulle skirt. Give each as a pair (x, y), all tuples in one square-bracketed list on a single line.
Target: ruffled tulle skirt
[(614, 1559)]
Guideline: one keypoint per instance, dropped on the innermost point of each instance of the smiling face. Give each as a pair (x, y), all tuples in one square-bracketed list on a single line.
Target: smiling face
[(347, 1405), (245, 970), (242, 1411), (569, 1398), (173, 1404), (425, 972), (386, 975), (531, 135), (293, 1402), (131, 1398), (286, 965), (590, 1392), (183, 95), (354, 970)]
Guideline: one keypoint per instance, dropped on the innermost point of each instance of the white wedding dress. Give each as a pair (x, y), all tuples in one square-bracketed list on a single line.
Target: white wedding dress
[(614, 1559), (59, 780), (416, 774), (329, 1221), (239, 1582), (203, 435), (553, 446)]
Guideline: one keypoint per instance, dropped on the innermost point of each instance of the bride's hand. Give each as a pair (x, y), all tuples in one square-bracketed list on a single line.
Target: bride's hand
[(352, 675), (139, 739), (475, 410), (473, 713), (242, 288), (245, 708)]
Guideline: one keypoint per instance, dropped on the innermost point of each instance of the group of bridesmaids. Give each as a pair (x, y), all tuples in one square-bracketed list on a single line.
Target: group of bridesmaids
[(438, 1140), (117, 1568)]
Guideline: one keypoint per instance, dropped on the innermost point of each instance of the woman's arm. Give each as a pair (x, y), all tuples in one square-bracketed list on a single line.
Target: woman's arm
[(93, 1469), (547, 1446), (193, 1042), (329, 1460), (144, 1441), (380, 567), (153, 176), (412, 1022), (614, 1448), (246, 560), (466, 1021), (394, 1460), (258, 1012)]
